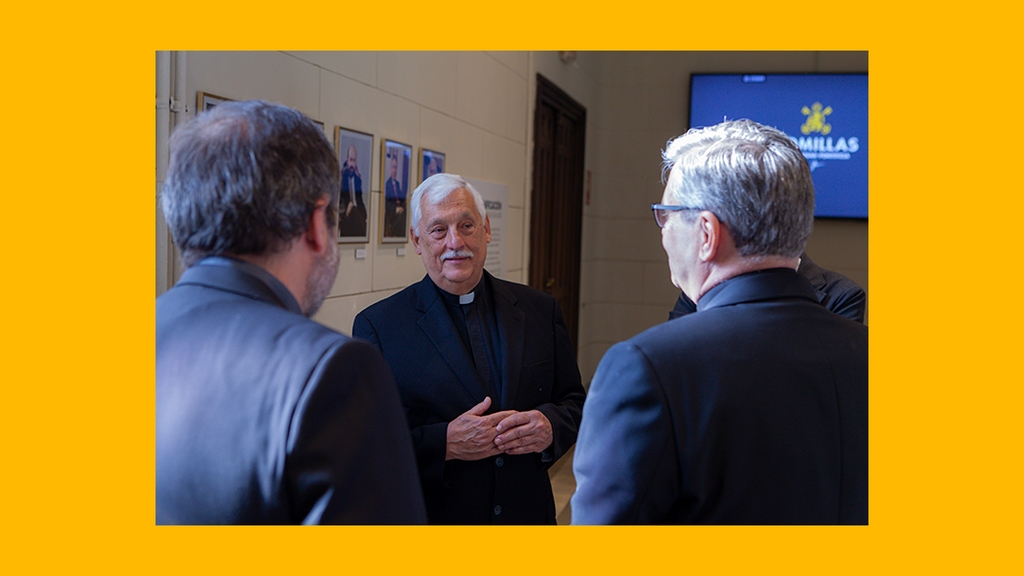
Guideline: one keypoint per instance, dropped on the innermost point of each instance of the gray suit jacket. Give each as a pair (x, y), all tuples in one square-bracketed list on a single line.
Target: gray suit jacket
[(266, 417)]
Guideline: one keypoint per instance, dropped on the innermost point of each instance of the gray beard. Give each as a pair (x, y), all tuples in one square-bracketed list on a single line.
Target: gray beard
[(320, 281)]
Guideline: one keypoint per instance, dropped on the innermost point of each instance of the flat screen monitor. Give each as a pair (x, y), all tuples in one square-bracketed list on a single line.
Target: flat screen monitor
[(825, 114)]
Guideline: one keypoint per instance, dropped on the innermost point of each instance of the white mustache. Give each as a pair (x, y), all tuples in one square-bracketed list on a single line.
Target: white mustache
[(456, 254)]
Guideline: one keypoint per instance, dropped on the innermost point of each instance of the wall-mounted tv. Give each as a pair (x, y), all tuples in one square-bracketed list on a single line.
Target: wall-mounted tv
[(825, 114)]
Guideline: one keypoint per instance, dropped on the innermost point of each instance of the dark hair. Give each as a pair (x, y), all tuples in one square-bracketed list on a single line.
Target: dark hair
[(244, 178)]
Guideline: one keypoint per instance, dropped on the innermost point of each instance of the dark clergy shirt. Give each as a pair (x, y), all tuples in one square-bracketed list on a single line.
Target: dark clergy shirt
[(484, 300)]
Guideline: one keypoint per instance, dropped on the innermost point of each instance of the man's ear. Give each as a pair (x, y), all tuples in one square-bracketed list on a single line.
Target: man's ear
[(709, 228), (415, 241), (487, 227), (318, 233)]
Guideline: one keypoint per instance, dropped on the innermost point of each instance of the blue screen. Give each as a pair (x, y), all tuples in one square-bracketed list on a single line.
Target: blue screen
[(825, 114)]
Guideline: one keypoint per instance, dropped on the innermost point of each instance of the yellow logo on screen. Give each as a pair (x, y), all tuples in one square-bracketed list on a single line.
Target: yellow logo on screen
[(816, 119)]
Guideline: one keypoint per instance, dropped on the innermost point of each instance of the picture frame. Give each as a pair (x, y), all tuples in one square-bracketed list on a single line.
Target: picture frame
[(395, 176), (206, 101), (431, 162), (353, 202)]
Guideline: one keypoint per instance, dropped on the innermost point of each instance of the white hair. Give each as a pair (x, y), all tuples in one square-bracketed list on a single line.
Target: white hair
[(752, 177), (435, 189)]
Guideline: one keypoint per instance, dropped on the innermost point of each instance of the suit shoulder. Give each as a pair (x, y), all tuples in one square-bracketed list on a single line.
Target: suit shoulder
[(675, 332), (299, 333), (290, 333), (403, 299), (523, 292), (348, 347), (693, 332)]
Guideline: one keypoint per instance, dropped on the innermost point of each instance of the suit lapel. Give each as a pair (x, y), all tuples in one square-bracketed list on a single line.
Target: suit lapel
[(512, 328), (439, 328)]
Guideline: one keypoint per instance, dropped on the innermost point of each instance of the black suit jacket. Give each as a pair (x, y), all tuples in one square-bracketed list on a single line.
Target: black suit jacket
[(437, 382), (752, 411), (394, 198), (833, 290), (266, 417), (352, 193), (355, 223)]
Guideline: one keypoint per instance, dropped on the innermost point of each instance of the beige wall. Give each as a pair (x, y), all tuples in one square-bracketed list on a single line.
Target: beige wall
[(642, 101), (477, 107), (470, 105)]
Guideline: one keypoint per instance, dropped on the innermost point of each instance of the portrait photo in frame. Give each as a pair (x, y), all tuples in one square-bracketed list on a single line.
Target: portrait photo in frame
[(395, 174), (431, 162), (355, 154), (206, 101)]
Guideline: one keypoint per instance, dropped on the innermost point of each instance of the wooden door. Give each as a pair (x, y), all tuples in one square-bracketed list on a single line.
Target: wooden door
[(556, 213)]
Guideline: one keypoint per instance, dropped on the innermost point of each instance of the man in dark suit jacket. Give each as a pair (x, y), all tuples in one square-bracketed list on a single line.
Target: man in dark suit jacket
[(754, 409), (351, 208), (484, 368), (262, 415), (394, 202), (833, 290)]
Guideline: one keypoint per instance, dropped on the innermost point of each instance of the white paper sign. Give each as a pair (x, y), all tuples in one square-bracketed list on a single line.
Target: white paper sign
[(496, 203)]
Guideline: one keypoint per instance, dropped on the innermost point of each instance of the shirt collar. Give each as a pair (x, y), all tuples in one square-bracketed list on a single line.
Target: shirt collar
[(466, 298), (768, 284), (283, 294)]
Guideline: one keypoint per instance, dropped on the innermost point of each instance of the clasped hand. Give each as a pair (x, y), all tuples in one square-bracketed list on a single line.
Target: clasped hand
[(475, 435)]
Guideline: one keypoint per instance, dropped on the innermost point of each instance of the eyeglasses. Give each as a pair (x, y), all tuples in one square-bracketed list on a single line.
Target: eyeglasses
[(661, 212)]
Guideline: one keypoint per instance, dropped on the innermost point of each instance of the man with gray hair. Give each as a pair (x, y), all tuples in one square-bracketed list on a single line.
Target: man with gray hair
[(753, 410), (484, 367), (262, 415)]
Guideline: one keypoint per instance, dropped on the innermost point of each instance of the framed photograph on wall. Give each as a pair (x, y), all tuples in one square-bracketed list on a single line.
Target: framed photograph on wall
[(355, 153), (206, 101), (395, 174), (431, 162)]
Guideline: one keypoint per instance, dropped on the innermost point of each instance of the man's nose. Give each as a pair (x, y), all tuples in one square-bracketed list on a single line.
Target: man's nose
[(454, 240)]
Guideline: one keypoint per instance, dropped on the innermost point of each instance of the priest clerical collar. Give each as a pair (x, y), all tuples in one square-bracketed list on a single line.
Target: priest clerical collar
[(468, 298)]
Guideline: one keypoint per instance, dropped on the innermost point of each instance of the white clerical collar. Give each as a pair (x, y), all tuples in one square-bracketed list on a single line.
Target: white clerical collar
[(467, 298)]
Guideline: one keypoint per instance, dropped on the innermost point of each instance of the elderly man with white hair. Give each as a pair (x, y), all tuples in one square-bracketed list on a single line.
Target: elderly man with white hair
[(484, 367), (753, 410)]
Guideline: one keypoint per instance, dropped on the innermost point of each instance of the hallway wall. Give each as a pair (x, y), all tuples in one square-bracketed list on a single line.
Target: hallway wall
[(472, 106), (642, 102), (477, 107)]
